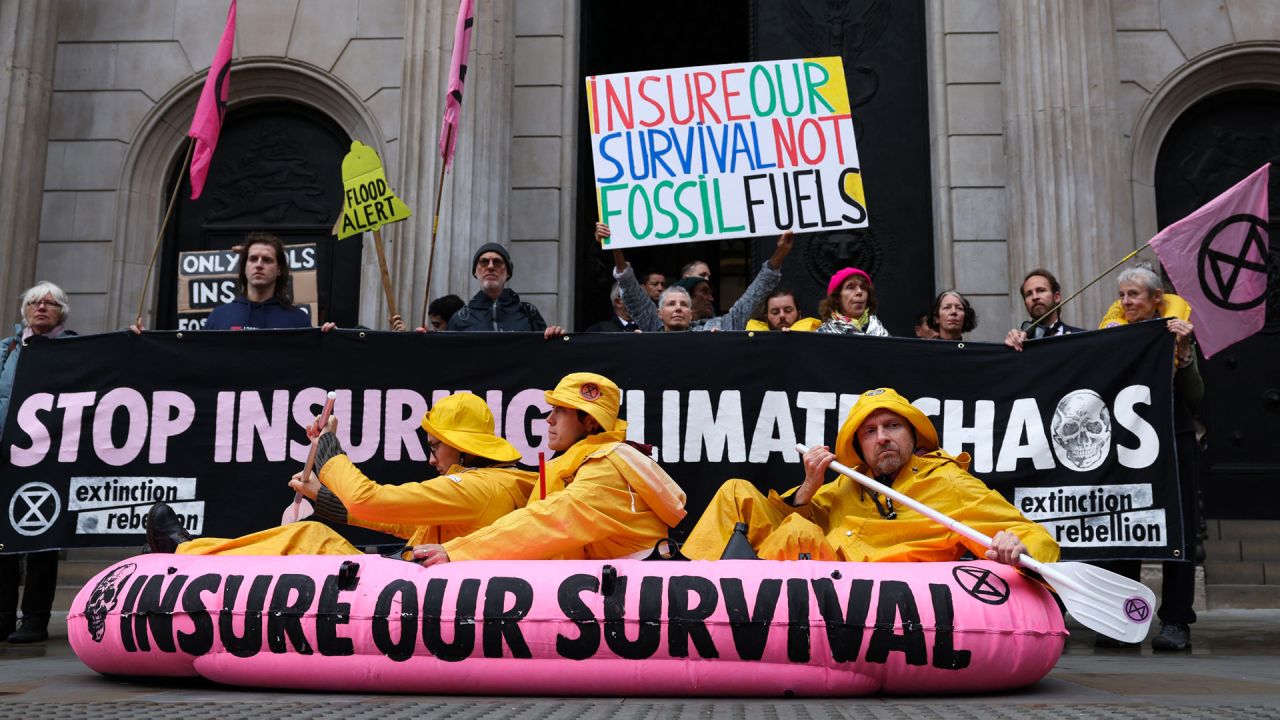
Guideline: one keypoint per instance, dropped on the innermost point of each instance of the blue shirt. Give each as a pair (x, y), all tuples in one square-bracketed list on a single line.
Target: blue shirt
[(240, 314)]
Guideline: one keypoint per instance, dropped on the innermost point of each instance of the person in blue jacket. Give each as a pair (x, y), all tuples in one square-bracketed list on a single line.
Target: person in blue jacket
[(263, 297)]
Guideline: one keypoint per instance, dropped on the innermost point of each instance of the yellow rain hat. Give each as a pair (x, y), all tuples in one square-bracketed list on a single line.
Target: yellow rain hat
[(882, 399), (463, 421), (595, 394)]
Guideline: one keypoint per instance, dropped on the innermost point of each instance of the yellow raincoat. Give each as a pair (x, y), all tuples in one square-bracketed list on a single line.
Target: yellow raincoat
[(805, 324), (605, 500), (455, 504), (842, 523)]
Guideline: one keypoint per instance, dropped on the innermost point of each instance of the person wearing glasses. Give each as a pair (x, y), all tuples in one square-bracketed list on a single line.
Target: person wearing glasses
[(1041, 295), (888, 438), (44, 313), (496, 307), (478, 483)]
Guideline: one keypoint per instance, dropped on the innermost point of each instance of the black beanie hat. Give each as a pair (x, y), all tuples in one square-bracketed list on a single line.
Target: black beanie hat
[(495, 248)]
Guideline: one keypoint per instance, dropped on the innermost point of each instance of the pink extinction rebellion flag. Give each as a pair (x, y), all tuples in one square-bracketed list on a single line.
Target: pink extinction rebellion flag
[(1217, 260), (207, 123), (457, 75)]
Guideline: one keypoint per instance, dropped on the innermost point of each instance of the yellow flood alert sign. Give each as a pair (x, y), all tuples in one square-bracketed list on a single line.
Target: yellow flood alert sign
[(367, 200)]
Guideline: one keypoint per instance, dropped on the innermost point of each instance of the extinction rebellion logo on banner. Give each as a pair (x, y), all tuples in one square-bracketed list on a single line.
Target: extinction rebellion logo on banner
[(118, 505)]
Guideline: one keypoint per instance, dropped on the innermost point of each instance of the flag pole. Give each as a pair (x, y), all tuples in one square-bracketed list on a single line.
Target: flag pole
[(435, 229), (1090, 284), (382, 269), (155, 252)]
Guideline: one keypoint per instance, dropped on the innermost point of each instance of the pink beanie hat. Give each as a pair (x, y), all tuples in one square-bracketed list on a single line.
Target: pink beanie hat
[(838, 279)]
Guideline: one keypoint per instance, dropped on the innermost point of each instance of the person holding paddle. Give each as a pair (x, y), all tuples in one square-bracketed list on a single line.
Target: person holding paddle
[(889, 438), (478, 484), (604, 498)]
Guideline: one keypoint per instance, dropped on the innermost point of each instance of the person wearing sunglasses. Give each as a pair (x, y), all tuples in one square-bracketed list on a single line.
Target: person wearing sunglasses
[(496, 307), (886, 437), (44, 313), (478, 483), (1041, 295)]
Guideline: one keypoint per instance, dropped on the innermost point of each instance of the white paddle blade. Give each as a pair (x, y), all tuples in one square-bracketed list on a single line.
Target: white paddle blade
[(1103, 601), (297, 510)]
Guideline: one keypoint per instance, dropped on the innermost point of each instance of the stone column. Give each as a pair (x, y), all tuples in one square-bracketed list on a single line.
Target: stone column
[(1068, 206), (28, 42), (476, 191)]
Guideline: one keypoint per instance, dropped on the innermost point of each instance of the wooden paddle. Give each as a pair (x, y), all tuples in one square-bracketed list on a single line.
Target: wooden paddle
[(1101, 600), (300, 508)]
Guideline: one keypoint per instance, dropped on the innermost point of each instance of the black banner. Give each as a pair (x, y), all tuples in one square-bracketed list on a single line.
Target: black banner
[(1076, 431)]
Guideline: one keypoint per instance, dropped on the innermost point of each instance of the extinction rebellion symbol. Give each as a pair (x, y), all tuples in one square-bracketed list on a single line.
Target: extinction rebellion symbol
[(1234, 247), (1137, 609), (984, 585), (33, 508)]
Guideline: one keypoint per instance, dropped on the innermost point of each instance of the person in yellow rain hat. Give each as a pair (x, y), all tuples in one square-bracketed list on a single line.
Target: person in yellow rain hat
[(605, 497), (478, 484), (886, 437)]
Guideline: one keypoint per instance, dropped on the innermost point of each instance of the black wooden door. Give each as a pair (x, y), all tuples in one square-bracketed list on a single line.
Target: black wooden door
[(1211, 147), (883, 47), (277, 168)]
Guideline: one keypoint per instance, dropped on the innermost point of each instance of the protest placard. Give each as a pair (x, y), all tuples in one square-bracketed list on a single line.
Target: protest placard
[(367, 200), (724, 151), (207, 279)]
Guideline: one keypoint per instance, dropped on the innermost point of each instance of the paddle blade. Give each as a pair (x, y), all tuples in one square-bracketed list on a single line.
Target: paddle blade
[(297, 510), (1103, 601)]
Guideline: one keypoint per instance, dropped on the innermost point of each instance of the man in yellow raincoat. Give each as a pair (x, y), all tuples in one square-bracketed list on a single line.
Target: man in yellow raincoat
[(888, 438), (604, 498), (478, 484)]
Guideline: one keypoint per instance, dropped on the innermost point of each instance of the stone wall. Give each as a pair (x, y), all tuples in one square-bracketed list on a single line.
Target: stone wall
[(1045, 114)]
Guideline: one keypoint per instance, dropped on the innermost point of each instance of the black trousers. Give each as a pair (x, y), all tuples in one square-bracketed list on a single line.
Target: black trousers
[(1177, 592), (41, 581)]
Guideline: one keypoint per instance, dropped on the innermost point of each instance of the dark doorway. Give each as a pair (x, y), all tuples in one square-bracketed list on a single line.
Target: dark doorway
[(1214, 145), (883, 47), (631, 36), (278, 168)]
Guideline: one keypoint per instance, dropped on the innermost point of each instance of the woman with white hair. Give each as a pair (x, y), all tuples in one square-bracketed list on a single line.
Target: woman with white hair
[(1142, 298), (44, 312)]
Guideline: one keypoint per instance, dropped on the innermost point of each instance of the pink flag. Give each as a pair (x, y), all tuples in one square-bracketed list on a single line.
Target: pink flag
[(207, 123), (457, 75), (1217, 260)]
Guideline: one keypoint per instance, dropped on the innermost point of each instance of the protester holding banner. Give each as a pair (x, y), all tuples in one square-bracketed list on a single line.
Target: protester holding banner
[(478, 483), (605, 498), (644, 314), (264, 299), (952, 316), (44, 313), (889, 438), (1041, 294), (675, 309), (850, 305), (497, 308), (780, 313), (1142, 298)]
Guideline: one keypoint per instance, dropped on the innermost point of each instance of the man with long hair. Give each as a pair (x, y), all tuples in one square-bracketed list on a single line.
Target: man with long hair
[(264, 299)]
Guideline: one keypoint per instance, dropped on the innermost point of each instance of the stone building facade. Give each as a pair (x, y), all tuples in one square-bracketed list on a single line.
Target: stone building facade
[(1047, 119)]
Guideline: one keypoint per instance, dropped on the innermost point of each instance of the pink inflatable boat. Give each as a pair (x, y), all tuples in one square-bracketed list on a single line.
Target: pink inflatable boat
[(616, 628)]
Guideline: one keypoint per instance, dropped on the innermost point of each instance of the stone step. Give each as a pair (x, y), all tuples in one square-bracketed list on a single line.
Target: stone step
[(1244, 529), (1260, 550), (1219, 597), (1235, 573), (1222, 551)]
